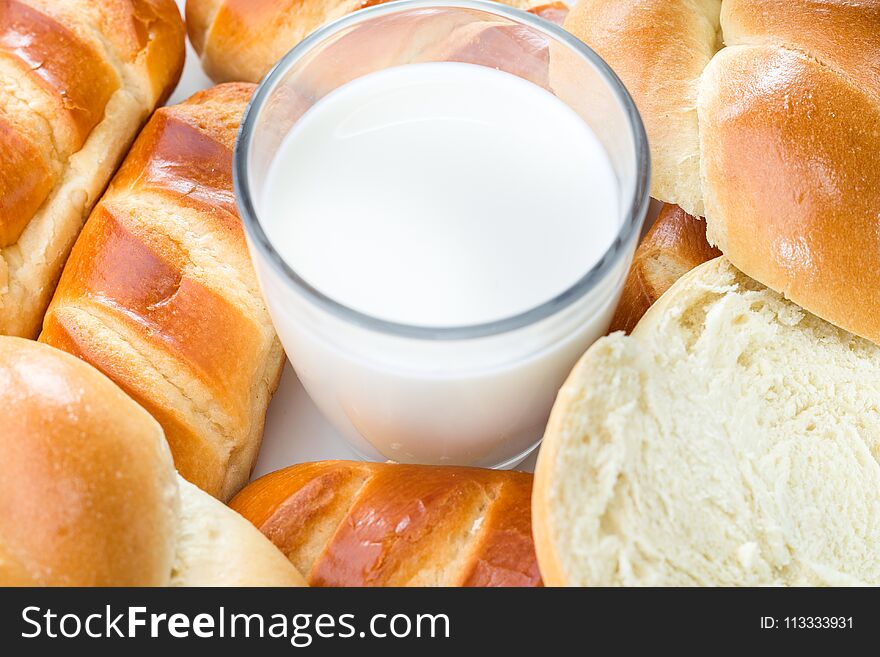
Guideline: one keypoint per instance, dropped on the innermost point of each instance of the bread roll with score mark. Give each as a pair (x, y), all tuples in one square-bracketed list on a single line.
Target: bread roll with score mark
[(350, 523), (90, 496), (79, 79), (159, 293), (763, 117), (675, 244), (733, 439)]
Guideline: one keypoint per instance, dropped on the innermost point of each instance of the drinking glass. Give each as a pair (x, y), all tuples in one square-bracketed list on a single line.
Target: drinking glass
[(473, 395)]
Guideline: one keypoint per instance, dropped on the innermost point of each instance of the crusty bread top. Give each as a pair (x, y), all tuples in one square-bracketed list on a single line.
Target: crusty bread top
[(64, 77), (60, 63), (660, 50), (243, 39), (773, 138), (143, 37), (842, 34), (79, 78), (199, 16), (345, 523), (792, 180), (88, 489), (89, 493), (734, 439), (159, 292)]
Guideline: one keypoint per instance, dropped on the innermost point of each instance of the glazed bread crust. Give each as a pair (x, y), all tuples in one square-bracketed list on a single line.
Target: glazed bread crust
[(159, 293), (242, 39), (773, 138), (79, 79), (347, 523), (792, 172), (675, 244), (90, 496)]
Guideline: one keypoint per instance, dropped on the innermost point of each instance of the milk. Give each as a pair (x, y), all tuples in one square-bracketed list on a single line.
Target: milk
[(441, 194)]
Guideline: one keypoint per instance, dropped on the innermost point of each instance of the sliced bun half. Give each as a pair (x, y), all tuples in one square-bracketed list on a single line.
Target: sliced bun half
[(733, 439)]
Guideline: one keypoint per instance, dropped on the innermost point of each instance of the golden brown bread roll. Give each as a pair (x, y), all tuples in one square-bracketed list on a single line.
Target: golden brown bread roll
[(242, 39), (383, 524), (804, 221), (675, 244), (80, 78), (774, 136), (160, 295), (90, 496)]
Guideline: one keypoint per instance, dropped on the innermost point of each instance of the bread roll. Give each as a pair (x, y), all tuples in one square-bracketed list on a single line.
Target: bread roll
[(243, 39), (659, 49), (792, 180), (383, 524), (90, 496), (675, 244), (80, 78), (733, 439), (160, 294), (773, 138)]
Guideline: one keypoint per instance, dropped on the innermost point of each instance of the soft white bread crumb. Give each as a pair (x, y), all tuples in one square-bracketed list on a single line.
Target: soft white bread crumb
[(733, 439)]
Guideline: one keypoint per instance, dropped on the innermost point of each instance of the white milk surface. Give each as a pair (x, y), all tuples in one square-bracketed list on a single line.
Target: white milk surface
[(441, 194)]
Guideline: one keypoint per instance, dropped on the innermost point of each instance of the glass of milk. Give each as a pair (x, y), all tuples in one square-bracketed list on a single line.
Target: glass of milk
[(441, 200)]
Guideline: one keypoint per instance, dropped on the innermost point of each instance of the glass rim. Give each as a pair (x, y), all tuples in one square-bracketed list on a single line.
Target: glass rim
[(629, 228)]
